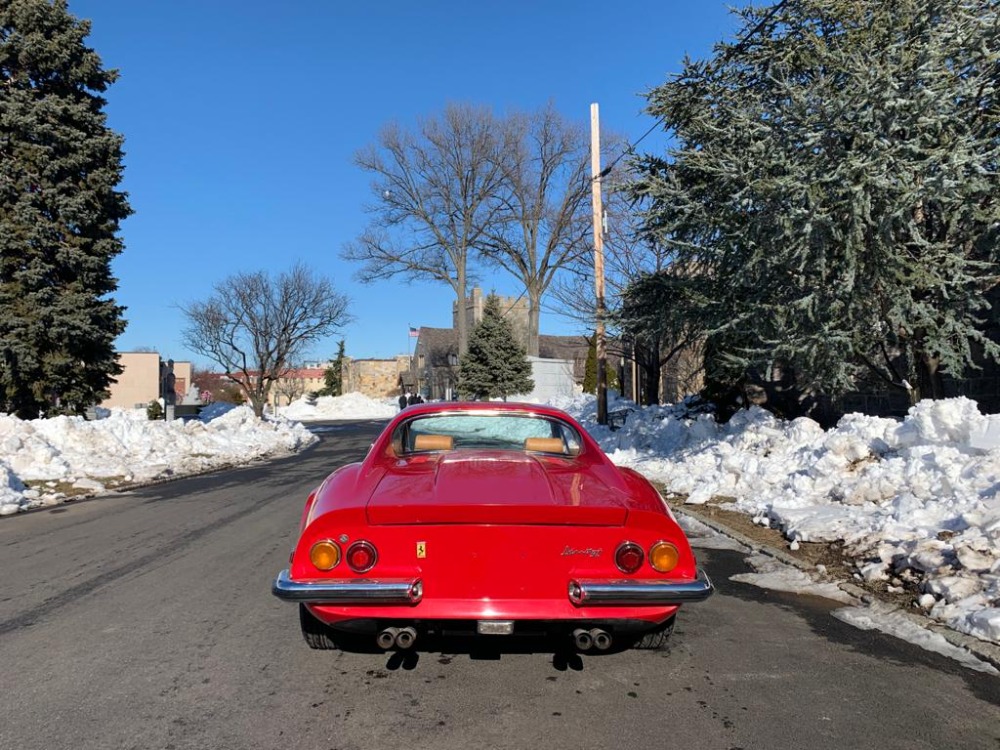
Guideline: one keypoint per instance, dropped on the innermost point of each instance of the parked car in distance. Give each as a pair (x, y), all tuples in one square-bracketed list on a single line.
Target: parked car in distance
[(495, 519)]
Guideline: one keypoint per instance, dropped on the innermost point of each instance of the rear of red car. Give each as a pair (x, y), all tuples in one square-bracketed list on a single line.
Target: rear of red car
[(489, 538)]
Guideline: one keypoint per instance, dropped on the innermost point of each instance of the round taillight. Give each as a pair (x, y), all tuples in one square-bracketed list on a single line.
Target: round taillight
[(325, 555), (663, 556), (628, 557), (361, 557)]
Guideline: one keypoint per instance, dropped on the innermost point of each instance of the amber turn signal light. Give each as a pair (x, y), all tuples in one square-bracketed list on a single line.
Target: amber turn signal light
[(663, 556), (325, 555)]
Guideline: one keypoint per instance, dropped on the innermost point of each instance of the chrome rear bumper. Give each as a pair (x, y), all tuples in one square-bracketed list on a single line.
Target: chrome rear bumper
[(348, 591), (637, 592)]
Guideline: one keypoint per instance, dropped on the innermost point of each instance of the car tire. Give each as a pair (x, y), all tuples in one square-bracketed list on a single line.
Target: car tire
[(656, 639), (318, 634)]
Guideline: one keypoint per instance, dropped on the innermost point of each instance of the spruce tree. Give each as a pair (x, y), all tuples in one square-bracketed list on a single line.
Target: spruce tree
[(590, 366), (495, 366), (59, 213), (333, 376), (831, 190)]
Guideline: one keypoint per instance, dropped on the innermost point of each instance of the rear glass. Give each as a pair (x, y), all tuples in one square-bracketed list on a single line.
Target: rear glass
[(490, 431)]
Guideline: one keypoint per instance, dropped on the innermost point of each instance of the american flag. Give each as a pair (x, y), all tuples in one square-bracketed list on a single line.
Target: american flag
[(414, 332)]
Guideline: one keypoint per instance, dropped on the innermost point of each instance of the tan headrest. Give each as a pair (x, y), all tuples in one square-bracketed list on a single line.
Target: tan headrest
[(433, 443), (545, 445)]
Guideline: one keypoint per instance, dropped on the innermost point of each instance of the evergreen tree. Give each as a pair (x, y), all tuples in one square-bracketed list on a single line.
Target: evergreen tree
[(831, 191), (590, 370), (333, 377), (59, 213), (495, 366), (590, 366)]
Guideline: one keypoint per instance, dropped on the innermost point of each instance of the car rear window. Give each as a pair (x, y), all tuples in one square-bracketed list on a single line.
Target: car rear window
[(516, 432)]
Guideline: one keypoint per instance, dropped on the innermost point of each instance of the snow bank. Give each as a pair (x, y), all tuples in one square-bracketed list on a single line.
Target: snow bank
[(123, 449), (348, 406), (916, 499)]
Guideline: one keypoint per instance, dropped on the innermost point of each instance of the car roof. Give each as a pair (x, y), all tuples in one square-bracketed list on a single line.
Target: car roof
[(492, 406)]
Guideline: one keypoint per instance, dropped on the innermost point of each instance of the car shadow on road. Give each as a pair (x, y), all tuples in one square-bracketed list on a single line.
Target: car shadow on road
[(444, 649), (562, 660), (817, 611)]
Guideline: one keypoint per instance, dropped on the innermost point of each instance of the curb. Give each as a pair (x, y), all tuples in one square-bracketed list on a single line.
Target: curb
[(983, 650)]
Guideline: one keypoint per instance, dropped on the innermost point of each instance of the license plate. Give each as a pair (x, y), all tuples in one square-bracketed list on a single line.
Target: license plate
[(495, 627)]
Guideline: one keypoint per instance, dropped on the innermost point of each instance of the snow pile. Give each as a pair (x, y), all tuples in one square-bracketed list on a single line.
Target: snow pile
[(70, 452), (348, 406), (914, 500)]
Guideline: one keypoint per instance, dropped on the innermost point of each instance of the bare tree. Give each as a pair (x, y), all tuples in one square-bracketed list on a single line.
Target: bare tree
[(544, 219), (254, 325), (629, 255), (434, 192), (290, 386)]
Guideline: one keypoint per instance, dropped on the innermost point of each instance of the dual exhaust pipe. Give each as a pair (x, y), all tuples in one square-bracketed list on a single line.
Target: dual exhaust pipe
[(401, 638), (584, 640), (404, 638)]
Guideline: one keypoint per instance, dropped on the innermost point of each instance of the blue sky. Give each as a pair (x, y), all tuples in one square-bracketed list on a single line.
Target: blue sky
[(241, 119)]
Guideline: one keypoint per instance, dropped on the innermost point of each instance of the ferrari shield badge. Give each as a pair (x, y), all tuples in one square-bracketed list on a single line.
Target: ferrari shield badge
[(421, 549)]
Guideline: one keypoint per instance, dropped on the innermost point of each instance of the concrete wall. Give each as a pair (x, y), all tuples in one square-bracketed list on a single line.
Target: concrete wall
[(553, 377)]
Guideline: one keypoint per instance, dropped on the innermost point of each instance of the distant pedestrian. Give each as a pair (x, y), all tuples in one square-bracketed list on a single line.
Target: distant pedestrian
[(403, 400), (411, 399)]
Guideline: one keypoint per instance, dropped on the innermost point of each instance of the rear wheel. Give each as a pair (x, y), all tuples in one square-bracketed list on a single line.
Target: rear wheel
[(317, 633), (657, 638)]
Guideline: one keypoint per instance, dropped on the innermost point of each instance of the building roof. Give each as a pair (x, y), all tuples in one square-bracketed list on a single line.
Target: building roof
[(435, 344), (304, 373)]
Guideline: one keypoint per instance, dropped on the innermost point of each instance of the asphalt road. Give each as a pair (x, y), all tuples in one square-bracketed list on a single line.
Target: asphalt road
[(145, 620)]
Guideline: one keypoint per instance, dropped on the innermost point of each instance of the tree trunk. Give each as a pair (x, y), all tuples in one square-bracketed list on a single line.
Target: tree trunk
[(534, 314), (461, 321), (930, 383), (258, 406), (651, 377)]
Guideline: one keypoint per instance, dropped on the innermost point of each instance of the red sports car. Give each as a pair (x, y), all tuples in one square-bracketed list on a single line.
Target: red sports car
[(488, 518)]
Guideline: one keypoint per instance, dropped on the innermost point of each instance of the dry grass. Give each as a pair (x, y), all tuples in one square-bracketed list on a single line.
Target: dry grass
[(50, 488), (839, 564)]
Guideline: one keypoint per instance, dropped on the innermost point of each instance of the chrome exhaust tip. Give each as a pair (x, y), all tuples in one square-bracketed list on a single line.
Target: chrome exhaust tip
[(582, 639), (386, 639), (405, 637), (601, 639)]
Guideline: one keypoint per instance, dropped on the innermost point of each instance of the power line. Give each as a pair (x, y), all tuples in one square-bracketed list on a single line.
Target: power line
[(738, 47)]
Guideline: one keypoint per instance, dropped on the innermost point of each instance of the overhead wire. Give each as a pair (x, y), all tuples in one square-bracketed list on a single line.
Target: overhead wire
[(738, 47)]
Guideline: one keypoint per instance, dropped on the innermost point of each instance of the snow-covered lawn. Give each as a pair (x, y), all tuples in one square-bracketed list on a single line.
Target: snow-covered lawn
[(916, 500)]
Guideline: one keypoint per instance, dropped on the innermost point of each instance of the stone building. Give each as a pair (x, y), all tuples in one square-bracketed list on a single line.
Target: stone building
[(375, 378), (514, 309)]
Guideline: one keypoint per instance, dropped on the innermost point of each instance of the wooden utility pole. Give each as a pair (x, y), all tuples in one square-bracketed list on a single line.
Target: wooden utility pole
[(595, 192)]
